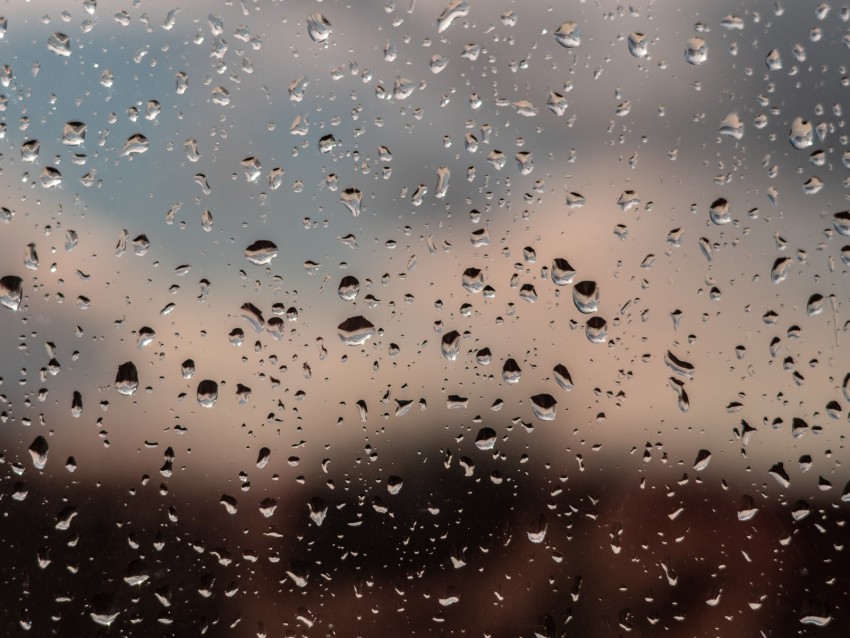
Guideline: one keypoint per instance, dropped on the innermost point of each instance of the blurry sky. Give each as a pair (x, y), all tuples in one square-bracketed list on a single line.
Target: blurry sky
[(651, 126)]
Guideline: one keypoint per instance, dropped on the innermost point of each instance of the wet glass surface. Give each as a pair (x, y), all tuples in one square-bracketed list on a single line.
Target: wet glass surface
[(425, 318)]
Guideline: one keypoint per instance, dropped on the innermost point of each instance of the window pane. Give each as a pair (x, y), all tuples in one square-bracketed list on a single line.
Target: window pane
[(424, 317)]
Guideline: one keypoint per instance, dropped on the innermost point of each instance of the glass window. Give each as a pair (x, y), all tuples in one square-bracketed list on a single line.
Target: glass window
[(424, 318)]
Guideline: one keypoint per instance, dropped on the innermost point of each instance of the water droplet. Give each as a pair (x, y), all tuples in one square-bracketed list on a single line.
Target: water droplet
[(261, 252), (11, 291), (455, 9), (778, 472), (136, 574), (568, 35), (557, 103), (473, 280), (841, 222), (220, 96), (747, 508), (104, 609), (679, 387), (450, 345), (773, 61), (638, 45), (802, 134), (181, 80), (231, 505), (443, 175), (679, 366), (732, 22), (146, 336), (263, 457), (251, 169), (816, 619), (525, 162), (628, 199), (127, 379), (348, 289), (355, 331), (596, 330), (327, 143), (29, 150), (511, 372), (187, 369), (318, 509), (780, 269), (394, 485), (562, 272), (352, 199), (525, 108), (732, 126), (485, 439), (815, 305), (528, 293), (544, 407), (586, 296), (696, 51), (318, 27), (38, 451), (51, 177), (813, 185), (562, 376), (800, 510), (537, 531), (135, 145), (236, 336), (59, 43), (267, 507), (71, 240), (702, 460), (497, 158), (76, 404), (207, 393)]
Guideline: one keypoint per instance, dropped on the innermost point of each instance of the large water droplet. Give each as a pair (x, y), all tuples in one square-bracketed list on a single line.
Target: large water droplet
[(318, 27), (511, 372), (261, 252), (38, 451), (450, 345), (348, 289), (455, 9), (473, 280), (135, 145), (586, 296), (802, 134), (59, 43), (696, 51), (638, 45), (596, 330), (353, 200), (207, 393), (568, 35), (544, 407), (562, 376), (11, 291), (354, 331), (780, 269), (562, 272), (841, 222), (127, 379)]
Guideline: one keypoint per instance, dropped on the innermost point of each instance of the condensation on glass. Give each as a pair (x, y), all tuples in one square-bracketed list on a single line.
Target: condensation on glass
[(416, 317)]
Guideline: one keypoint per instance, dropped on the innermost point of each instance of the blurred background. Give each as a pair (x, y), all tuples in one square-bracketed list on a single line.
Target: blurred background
[(468, 318)]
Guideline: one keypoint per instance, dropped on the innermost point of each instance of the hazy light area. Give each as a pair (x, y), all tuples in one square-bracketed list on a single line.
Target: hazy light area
[(354, 220)]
